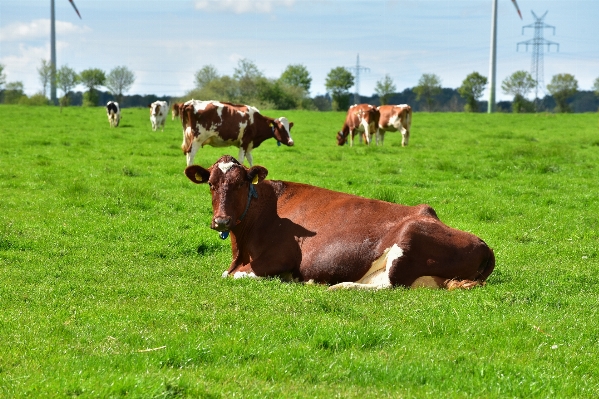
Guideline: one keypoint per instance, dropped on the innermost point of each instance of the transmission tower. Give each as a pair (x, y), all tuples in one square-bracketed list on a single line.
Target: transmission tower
[(357, 69), (537, 43)]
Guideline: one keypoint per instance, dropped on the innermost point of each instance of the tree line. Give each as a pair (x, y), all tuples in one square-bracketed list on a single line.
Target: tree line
[(291, 90)]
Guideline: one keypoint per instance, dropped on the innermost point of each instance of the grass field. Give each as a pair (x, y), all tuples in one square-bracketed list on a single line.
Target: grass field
[(110, 278)]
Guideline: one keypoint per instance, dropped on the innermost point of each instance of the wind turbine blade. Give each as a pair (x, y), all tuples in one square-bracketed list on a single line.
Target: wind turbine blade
[(77, 11), (517, 9)]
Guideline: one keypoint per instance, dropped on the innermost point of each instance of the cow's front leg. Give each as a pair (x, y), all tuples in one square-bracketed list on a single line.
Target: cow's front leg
[(192, 153)]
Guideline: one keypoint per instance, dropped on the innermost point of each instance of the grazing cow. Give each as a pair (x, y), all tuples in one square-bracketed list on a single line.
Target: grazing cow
[(297, 231), (224, 124), (176, 110), (158, 112), (360, 119), (114, 113), (394, 118)]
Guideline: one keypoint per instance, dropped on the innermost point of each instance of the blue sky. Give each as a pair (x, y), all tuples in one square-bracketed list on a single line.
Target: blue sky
[(165, 42)]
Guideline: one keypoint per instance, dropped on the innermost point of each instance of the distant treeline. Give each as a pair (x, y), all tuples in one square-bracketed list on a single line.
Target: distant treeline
[(449, 100)]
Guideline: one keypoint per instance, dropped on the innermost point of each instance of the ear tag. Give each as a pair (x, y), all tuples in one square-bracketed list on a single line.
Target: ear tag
[(255, 181), (278, 143), (223, 235), (199, 177)]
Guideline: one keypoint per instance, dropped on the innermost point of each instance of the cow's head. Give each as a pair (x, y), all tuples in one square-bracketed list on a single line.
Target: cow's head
[(230, 186), (341, 138), (281, 129), (154, 109)]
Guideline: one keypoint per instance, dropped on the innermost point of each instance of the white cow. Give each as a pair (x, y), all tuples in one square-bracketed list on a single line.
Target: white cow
[(114, 113), (158, 112)]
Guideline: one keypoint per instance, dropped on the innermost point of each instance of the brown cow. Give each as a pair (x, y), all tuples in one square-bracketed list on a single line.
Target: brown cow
[(360, 119), (286, 229), (395, 118), (176, 110), (224, 124)]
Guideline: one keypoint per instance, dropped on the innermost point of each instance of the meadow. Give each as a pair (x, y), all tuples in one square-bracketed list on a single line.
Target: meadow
[(110, 277)]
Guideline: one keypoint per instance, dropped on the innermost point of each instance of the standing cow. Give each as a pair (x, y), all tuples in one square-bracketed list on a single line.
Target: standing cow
[(224, 124), (158, 112), (294, 230), (360, 119), (176, 110), (395, 118), (114, 113)]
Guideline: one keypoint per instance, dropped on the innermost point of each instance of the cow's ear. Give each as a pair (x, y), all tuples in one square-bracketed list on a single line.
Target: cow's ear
[(290, 125), (257, 173), (197, 174)]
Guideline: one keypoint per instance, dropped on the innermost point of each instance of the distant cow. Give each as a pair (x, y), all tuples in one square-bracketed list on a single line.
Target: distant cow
[(360, 119), (303, 232), (224, 124), (176, 110), (395, 118), (114, 113), (158, 112)]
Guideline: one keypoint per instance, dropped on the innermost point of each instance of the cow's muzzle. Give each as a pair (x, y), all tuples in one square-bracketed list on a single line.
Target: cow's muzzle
[(221, 223)]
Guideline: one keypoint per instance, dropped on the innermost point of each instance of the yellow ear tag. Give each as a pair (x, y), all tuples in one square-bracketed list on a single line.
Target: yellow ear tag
[(255, 181), (199, 177)]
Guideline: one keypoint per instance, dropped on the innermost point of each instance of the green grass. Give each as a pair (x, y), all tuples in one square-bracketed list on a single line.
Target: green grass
[(106, 252)]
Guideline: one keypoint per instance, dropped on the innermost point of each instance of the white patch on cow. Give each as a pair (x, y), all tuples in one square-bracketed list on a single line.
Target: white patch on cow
[(225, 166), (225, 274), (242, 127), (377, 277), (252, 111)]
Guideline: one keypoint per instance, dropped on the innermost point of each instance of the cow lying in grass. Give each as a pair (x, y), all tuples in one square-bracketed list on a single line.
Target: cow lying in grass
[(280, 228)]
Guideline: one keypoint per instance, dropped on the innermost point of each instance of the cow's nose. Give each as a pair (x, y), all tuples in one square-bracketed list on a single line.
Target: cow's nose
[(221, 223), (290, 143)]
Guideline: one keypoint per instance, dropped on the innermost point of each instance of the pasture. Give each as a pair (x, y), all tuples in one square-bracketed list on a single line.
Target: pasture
[(110, 278)]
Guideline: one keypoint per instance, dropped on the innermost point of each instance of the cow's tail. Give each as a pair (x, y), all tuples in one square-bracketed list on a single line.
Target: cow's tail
[(409, 117)]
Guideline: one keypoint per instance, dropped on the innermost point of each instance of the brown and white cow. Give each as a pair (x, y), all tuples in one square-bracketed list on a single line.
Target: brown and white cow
[(113, 111), (223, 124), (360, 119), (395, 118), (158, 112), (306, 233), (176, 110)]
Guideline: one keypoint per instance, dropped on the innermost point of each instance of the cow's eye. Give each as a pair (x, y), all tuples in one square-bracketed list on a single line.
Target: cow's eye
[(211, 186)]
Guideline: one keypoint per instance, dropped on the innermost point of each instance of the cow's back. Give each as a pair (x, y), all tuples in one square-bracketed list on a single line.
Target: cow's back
[(347, 233)]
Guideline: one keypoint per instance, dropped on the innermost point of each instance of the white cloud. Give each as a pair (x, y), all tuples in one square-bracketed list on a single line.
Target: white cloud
[(243, 6), (39, 28)]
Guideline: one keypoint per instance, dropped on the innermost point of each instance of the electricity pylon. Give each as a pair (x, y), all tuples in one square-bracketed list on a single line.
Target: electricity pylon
[(357, 69), (537, 43), (53, 49)]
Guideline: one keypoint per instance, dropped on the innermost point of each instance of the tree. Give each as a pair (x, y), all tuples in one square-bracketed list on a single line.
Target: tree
[(247, 74), (2, 76), (91, 78), (13, 92), (205, 76), (471, 90), (384, 88), (429, 86), (595, 85), (297, 76), (45, 74), (519, 84), (66, 79), (119, 81), (562, 87), (338, 82)]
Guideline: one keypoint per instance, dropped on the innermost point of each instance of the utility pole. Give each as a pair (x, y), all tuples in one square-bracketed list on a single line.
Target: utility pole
[(357, 69), (537, 43), (52, 54)]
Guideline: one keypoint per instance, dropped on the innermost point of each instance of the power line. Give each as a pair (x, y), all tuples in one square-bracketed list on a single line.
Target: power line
[(537, 43)]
